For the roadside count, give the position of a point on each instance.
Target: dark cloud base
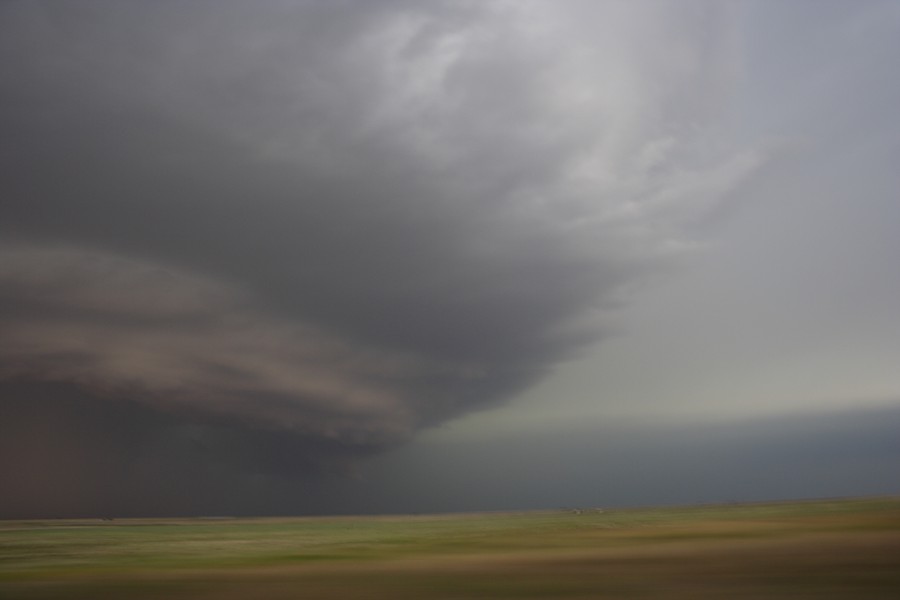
(67, 453)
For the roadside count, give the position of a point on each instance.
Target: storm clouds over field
(246, 245)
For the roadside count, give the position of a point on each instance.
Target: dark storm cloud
(344, 220)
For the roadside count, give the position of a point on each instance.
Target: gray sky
(410, 256)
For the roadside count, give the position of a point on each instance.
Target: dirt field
(824, 549)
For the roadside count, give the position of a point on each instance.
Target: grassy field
(823, 549)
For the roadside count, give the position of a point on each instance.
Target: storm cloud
(331, 224)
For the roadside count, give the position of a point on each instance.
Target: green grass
(825, 549)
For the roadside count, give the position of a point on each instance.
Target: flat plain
(822, 549)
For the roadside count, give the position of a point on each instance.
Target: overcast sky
(393, 255)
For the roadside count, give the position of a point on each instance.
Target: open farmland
(822, 549)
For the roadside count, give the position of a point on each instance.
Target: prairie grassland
(822, 549)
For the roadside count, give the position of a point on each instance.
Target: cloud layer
(343, 221)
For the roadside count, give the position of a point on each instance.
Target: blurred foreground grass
(823, 549)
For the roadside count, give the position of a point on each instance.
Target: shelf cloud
(331, 224)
